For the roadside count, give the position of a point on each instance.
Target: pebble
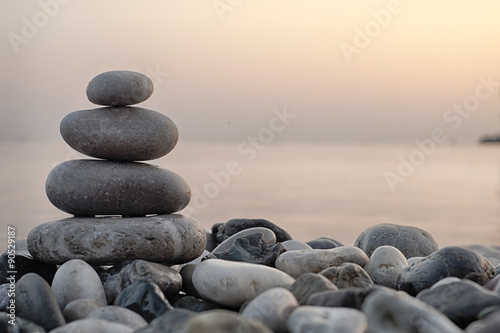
(187, 280)
(96, 187)
(117, 314)
(272, 308)
(269, 238)
(345, 298)
(395, 312)
(252, 248)
(324, 243)
(294, 245)
(413, 260)
(211, 241)
(315, 319)
(24, 265)
(308, 284)
(169, 239)
(120, 133)
(76, 279)
(234, 283)
(222, 231)
(94, 325)
(22, 325)
(461, 301)
(144, 298)
(194, 304)
(411, 241)
(80, 308)
(296, 263)
(448, 261)
(384, 266)
(492, 253)
(218, 321)
(347, 275)
(36, 301)
(172, 321)
(117, 88)
(490, 324)
(121, 276)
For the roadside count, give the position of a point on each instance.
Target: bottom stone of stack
(169, 239)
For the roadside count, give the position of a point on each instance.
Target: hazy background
(225, 76)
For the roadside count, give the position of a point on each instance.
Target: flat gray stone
(309, 284)
(490, 324)
(168, 239)
(80, 308)
(347, 275)
(315, 319)
(118, 314)
(96, 187)
(117, 88)
(492, 253)
(269, 238)
(296, 263)
(120, 133)
(222, 231)
(294, 245)
(384, 266)
(411, 241)
(218, 321)
(170, 322)
(94, 325)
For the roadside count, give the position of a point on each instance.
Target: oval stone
(94, 187)
(168, 239)
(116, 88)
(120, 133)
(94, 325)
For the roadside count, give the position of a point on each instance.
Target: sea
(311, 190)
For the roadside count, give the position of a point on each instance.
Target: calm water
(310, 190)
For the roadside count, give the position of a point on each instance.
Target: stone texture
(4, 295)
(344, 298)
(384, 266)
(411, 241)
(296, 263)
(80, 308)
(461, 301)
(222, 231)
(448, 261)
(187, 280)
(294, 245)
(117, 88)
(308, 284)
(96, 187)
(24, 263)
(172, 321)
(36, 301)
(252, 248)
(234, 283)
(324, 243)
(217, 321)
(490, 324)
(492, 253)
(268, 236)
(94, 325)
(194, 304)
(396, 312)
(118, 314)
(347, 275)
(22, 325)
(120, 133)
(164, 238)
(313, 319)
(76, 279)
(272, 308)
(144, 298)
(121, 276)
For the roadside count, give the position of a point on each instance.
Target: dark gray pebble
(222, 231)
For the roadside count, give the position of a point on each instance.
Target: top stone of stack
(119, 88)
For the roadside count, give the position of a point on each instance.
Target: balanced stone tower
(123, 209)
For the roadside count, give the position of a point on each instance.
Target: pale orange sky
(226, 76)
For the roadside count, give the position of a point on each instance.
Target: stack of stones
(123, 209)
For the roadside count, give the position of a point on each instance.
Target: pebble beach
(128, 261)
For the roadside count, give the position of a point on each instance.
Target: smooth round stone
(490, 324)
(234, 283)
(447, 262)
(94, 325)
(120, 133)
(222, 231)
(413, 260)
(37, 302)
(272, 308)
(116, 88)
(347, 275)
(308, 284)
(294, 245)
(411, 241)
(315, 319)
(492, 253)
(169, 239)
(218, 321)
(118, 314)
(187, 280)
(269, 238)
(324, 243)
(95, 187)
(344, 298)
(80, 308)
(445, 281)
(172, 321)
(396, 312)
(384, 266)
(296, 263)
(76, 279)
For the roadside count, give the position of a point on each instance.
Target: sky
(349, 71)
